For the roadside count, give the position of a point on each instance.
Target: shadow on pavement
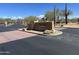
(26, 46)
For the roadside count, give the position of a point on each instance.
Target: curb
(36, 33)
(42, 33)
(33, 33)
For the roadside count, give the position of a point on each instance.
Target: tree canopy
(30, 19)
(49, 15)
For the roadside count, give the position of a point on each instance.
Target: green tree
(57, 14)
(49, 15)
(30, 19)
(53, 15)
(65, 13)
(1, 21)
(8, 20)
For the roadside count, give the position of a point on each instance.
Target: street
(15, 42)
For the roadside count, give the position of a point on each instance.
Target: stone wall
(40, 26)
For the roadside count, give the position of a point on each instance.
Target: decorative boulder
(48, 31)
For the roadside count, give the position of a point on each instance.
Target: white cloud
(40, 16)
(5, 17)
(12, 17)
(74, 16)
(20, 17)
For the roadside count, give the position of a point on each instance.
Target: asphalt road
(32, 44)
(3, 28)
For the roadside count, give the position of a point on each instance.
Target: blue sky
(33, 9)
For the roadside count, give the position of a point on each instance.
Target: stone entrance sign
(53, 26)
(6, 23)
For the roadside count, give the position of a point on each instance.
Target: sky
(21, 10)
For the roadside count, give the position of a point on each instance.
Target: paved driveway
(14, 35)
(18, 42)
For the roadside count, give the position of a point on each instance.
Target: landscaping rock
(48, 31)
(52, 32)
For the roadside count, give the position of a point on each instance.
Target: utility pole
(66, 13)
(54, 15)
